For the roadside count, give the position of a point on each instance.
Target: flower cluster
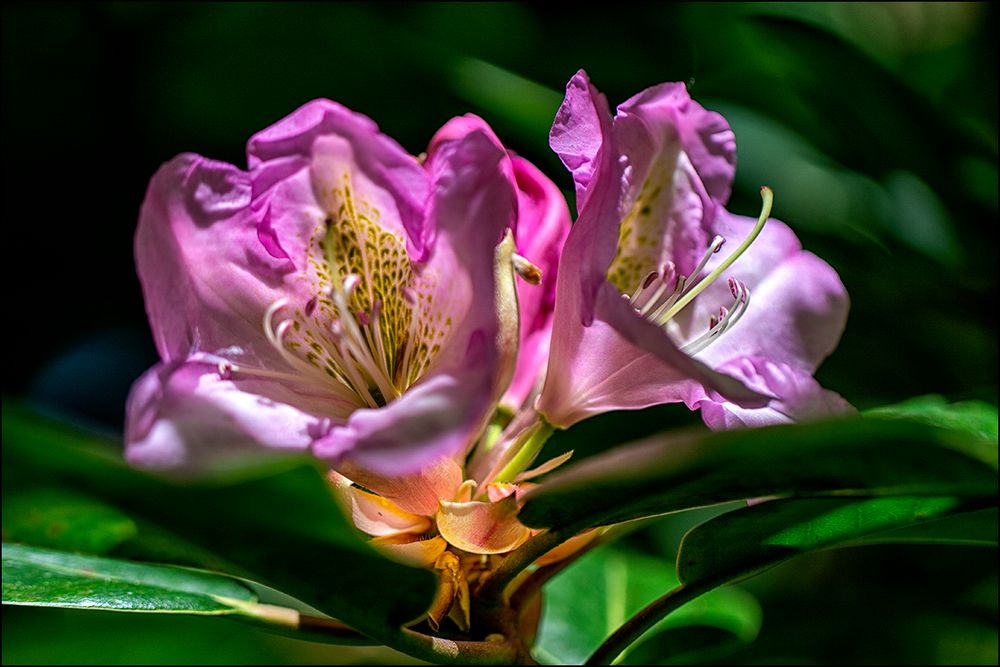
(422, 324)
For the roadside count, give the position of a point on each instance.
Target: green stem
(493, 588)
(646, 618)
(526, 449)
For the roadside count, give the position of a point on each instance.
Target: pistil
(664, 293)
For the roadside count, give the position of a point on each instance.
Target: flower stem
(530, 443)
(494, 587)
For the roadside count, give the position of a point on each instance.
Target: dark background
(875, 124)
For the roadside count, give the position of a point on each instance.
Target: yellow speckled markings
(372, 326)
(641, 237)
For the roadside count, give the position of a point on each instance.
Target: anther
(528, 271)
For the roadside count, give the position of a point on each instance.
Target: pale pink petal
(623, 362)
(482, 528)
(183, 416)
(497, 491)
(798, 305)
(800, 397)
(206, 278)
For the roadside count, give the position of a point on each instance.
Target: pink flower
(652, 305)
(338, 296)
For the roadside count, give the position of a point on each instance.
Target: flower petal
(578, 132)
(481, 527)
(623, 362)
(543, 223)
(673, 148)
(800, 397)
(417, 493)
(298, 163)
(183, 416)
(374, 514)
(409, 549)
(206, 277)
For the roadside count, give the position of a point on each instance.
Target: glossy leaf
(44, 577)
(856, 456)
(975, 417)
(740, 544)
(64, 519)
(282, 529)
(594, 596)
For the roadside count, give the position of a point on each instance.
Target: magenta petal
(205, 275)
(579, 131)
(543, 223)
(799, 396)
(182, 416)
(293, 162)
(705, 136)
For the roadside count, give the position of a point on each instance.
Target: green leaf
(974, 417)
(853, 456)
(64, 519)
(283, 529)
(595, 595)
(43, 577)
(743, 543)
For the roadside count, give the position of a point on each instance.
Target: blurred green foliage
(874, 123)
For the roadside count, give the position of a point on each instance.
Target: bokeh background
(874, 123)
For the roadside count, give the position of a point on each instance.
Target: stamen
(768, 199)
(528, 271)
(662, 294)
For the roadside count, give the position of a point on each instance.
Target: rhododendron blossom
(341, 296)
(663, 295)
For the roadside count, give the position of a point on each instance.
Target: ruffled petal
(579, 131)
(481, 527)
(184, 417)
(206, 277)
(300, 164)
(799, 397)
(673, 149)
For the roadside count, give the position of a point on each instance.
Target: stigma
(664, 293)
